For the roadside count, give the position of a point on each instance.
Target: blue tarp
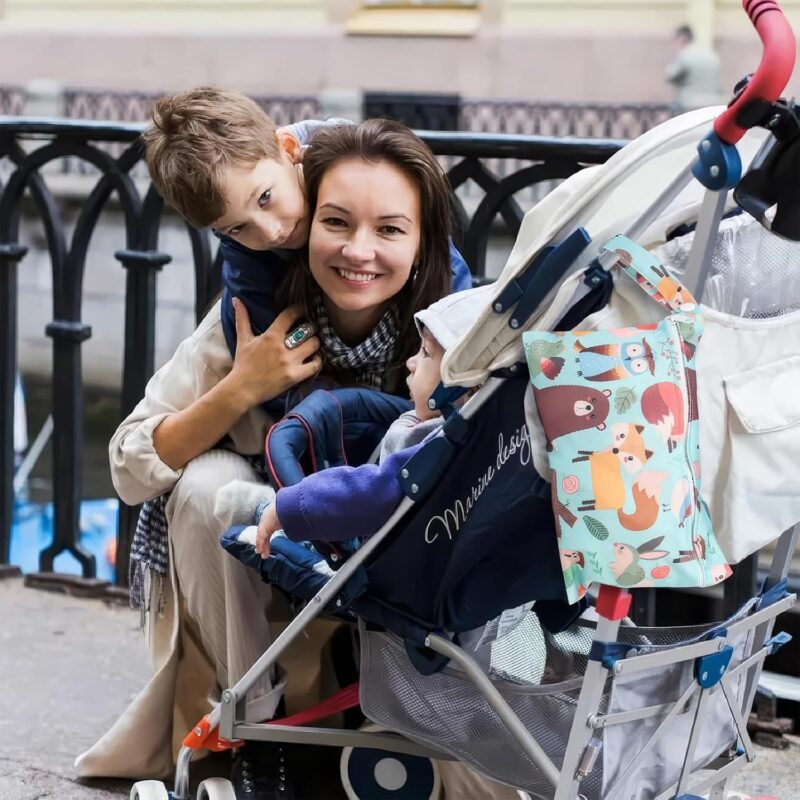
(32, 532)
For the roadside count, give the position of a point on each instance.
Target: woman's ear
(290, 145)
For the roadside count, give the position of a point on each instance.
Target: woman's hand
(263, 366)
(267, 525)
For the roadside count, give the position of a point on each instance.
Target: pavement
(69, 666)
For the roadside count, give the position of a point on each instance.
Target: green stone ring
(299, 335)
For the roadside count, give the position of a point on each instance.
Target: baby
(334, 504)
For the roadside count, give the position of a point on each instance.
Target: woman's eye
(334, 222)
(264, 198)
(391, 229)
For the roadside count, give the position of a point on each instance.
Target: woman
(378, 252)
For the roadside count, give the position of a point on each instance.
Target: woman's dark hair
(376, 141)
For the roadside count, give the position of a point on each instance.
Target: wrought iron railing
(546, 159)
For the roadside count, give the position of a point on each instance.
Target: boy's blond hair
(193, 137)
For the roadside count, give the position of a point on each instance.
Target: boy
(220, 161)
(331, 504)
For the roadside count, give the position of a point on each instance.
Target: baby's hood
(449, 318)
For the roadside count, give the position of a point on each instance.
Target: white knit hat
(449, 318)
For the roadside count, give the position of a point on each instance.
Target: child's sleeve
(339, 503)
(306, 128)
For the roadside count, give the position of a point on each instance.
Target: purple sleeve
(339, 503)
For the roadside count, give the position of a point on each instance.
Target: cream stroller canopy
(603, 200)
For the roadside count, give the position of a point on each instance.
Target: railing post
(68, 408)
(10, 254)
(139, 359)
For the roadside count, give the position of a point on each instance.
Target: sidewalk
(68, 667)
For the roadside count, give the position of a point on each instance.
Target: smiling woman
(378, 248)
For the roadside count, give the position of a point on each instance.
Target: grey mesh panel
(447, 712)
(753, 272)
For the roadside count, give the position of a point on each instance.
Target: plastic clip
(719, 165)
(777, 641)
(710, 669)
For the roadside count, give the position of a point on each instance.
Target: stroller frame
(718, 168)
(226, 725)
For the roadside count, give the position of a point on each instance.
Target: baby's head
(440, 326)
(220, 161)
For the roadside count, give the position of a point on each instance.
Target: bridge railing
(30, 152)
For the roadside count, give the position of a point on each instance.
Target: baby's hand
(267, 525)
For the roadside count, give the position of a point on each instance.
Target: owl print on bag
(614, 361)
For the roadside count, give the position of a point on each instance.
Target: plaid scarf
(367, 361)
(149, 555)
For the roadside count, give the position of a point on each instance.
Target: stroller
(467, 649)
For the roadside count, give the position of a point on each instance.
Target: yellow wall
(174, 14)
(605, 17)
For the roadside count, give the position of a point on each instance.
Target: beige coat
(199, 364)
(190, 653)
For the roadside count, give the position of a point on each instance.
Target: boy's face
(266, 205)
(426, 373)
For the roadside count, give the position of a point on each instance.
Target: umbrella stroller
(466, 648)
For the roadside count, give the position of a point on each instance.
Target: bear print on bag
(571, 408)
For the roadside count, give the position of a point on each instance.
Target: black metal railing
(545, 160)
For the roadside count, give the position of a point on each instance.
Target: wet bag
(618, 413)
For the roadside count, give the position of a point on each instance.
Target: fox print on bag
(618, 412)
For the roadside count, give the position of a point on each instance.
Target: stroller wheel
(149, 790)
(216, 789)
(368, 774)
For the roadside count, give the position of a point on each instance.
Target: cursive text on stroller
(450, 521)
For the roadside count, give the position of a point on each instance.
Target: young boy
(333, 504)
(220, 161)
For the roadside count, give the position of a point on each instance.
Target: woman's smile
(356, 276)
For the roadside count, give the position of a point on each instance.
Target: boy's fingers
(243, 330)
(308, 347)
(308, 369)
(287, 320)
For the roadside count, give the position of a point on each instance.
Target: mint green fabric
(619, 413)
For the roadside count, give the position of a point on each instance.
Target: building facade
(565, 50)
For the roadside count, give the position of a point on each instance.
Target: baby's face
(266, 205)
(426, 373)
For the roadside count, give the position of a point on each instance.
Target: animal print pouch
(618, 410)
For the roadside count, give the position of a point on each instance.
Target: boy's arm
(306, 128)
(462, 277)
(339, 503)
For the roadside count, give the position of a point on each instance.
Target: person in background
(695, 73)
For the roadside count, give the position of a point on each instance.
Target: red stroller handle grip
(774, 71)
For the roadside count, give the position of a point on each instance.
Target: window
(415, 18)
(420, 3)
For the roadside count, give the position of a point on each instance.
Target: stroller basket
(448, 712)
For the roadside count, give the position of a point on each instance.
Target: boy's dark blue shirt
(254, 276)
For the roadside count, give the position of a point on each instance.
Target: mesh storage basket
(446, 711)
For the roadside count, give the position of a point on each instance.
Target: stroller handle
(773, 73)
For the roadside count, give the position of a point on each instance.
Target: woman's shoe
(262, 771)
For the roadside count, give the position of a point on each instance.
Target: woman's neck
(352, 327)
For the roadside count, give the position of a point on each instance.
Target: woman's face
(365, 238)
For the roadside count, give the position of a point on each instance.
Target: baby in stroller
(333, 504)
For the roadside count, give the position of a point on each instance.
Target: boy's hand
(267, 525)
(264, 366)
